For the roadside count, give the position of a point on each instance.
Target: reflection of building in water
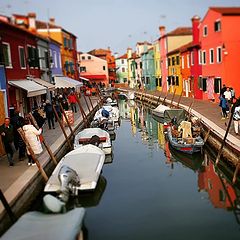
(133, 120)
(161, 136)
(221, 193)
(124, 109)
(152, 128)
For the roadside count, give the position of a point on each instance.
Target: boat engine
(68, 181)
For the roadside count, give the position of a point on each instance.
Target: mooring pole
(173, 98)
(7, 207)
(84, 116)
(22, 134)
(86, 102)
(34, 123)
(91, 102)
(62, 127)
(66, 118)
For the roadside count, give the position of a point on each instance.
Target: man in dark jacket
(6, 131)
(49, 114)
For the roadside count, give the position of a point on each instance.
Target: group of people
(227, 101)
(12, 139)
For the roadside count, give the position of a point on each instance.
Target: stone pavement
(8, 175)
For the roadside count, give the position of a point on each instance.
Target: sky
(117, 24)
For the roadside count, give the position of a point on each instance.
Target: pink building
(93, 68)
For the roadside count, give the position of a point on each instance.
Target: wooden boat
(86, 136)
(37, 225)
(186, 145)
(159, 110)
(87, 161)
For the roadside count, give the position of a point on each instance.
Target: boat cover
(180, 115)
(39, 226)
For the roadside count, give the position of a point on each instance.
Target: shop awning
(66, 82)
(97, 77)
(85, 79)
(32, 88)
(44, 83)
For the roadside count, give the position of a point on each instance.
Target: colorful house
(55, 58)
(148, 69)
(19, 55)
(168, 42)
(132, 68)
(220, 50)
(156, 49)
(93, 68)
(106, 54)
(122, 69)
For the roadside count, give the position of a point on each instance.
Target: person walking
(224, 105)
(236, 117)
(32, 136)
(228, 95)
(6, 131)
(49, 114)
(72, 99)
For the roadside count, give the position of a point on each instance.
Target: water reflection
(211, 180)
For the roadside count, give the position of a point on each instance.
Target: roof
(226, 10)
(143, 43)
(180, 31)
(123, 56)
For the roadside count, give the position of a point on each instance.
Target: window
(199, 57)
(55, 59)
(60, 60)
(188, 61)
(33, 57)
(192, 58)
(177, 81)
(205, 31)
(182, 62)
(89, 57)
(104, 68)
(173, 61)
(22, 59)
(64, 42)
(219, 54)
(169, 61)
(147, 80)
(123, 69)
(122, 61)
(217, 26)
(70, 43)
(83, 69)
(83, 57)
(204, 57)
(160, 81)
(204, 84)
(173, 80)
(177, 60)
(200, 83)
(66, 65)
(156, 79)
(169, 80)
(211, 56)
(6, 55)
(217, 85)
(46, 57)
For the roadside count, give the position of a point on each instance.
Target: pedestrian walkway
(9, 175)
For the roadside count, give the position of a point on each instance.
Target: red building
(19, 55)
(220, 50)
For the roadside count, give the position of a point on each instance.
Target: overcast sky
(118, 24)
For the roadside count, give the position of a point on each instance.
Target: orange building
(219, 37)
(106, 54)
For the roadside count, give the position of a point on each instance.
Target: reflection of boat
(186, 145)
(87, 136)
(36, 225)
(87, 161)
(193, 162)
(159, 110)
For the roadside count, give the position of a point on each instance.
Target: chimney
(195, 29)
(162, 30)
(32, 21)
(52, 21)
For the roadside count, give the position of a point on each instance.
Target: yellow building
(156, 50)
(68, 43)
(174, 72)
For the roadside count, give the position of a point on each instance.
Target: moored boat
(159, 110)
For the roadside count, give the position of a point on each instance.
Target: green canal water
(151, 192)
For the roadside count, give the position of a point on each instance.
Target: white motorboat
(111, 102)
(159, 110)
(87, 136)
(36, 225)
(87, 161)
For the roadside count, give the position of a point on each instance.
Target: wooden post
(7, 207)
(163, 102)
(225, 137)
(22, 134)
(68, 123)
(91, 102)
(235, 174)
(173, 98)
(34, 123)
(179, 99)
(63, 130)
(86, 102)
(84, 116)
(207, 135)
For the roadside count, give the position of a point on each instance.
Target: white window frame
(218, 20)
(204, 58)
(21, 47)
(9, 54)
(218, 54)
(205, 27)
(211, 55)
(60, 60)
(55, 58)
(200, 57)
(192, 58)
(182, 62)
(188, 61)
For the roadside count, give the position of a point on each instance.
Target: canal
(151, 192)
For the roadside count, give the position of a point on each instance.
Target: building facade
(122, 69)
